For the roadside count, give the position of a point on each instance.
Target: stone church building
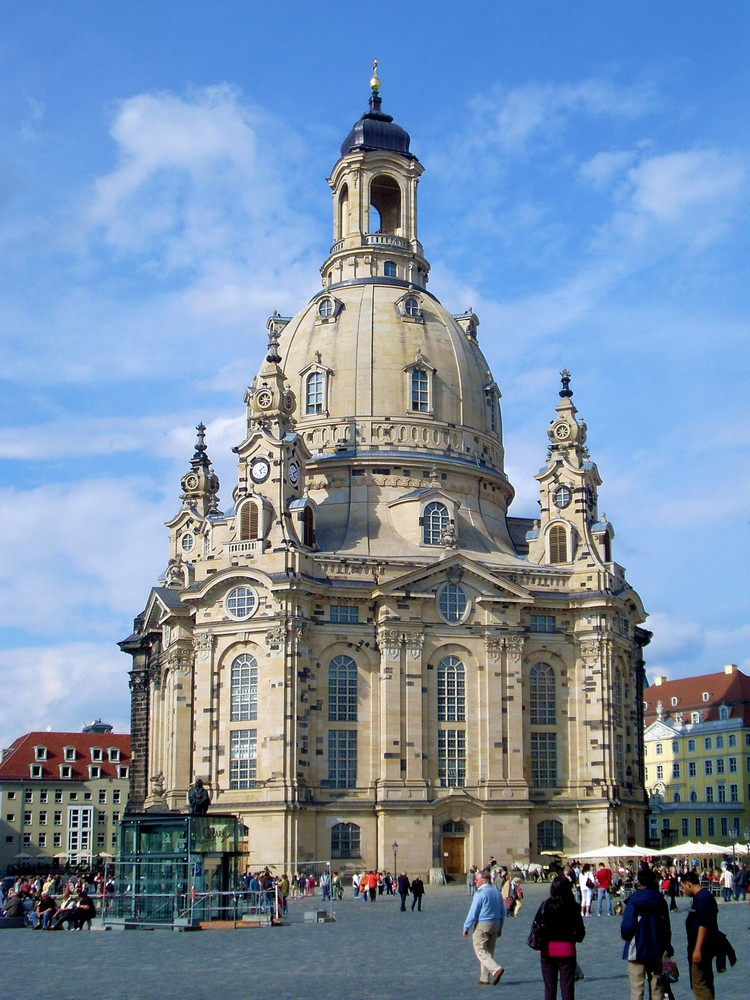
(362, 647)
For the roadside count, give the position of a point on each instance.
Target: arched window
(542, 695)
(617, 696)
(248, 520)
(345, 840)
(244, 689)
(389, 269)
(385, 199)
(344, 211)
(420, 390)
(693, 796)
(549, 836)
(558, 544)
(607, 548)
(308, 528)
(435, 522)
(342, 689)
(677, 797)
(451, 681)
(314, 393)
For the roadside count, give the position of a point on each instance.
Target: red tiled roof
(732, 690)
(21, 755)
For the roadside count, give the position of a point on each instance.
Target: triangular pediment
(425, 495)
(163, 603)
(659, 731)
(428, 578)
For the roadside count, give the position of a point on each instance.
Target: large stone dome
(367, 351)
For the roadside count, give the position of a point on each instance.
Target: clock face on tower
(260, 470)
(293, 473)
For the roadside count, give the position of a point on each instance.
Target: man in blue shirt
(485, 919)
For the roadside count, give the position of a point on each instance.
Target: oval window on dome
(453, 604)
(241, 602)
(411, 306)
(325, 308)
(187, 543)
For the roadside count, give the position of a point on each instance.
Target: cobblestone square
(373, 950)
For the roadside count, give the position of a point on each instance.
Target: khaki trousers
(702, 979)
(484, 938)
(637, 972)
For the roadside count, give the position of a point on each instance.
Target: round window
(411, 307)
(325, 308)
(241, 602)
(188, 541)
(453, 603)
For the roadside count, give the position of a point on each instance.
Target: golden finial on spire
(375, 83)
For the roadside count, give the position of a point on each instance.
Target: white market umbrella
(616, 851)
(692, 849)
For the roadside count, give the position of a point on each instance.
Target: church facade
(364, 649)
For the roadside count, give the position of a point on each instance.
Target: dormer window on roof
(35, 770)
(40, 753)
(706, 696)
(113, 753)
(95, 771)
(97, 754)
(69, 753)
(674, 702)
(66, 771)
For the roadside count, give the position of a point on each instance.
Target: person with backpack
(647, 932)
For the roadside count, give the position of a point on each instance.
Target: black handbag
(535, 939)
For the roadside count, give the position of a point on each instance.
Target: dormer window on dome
(410, 307)
(419, 385)
(329, 308)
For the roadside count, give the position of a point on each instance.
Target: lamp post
(394, 848)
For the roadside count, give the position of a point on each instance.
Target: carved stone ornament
(414, 644)
(590, 653)
(275, 636)
(203, 642)
(514, 645)
(494, 645)
(449, 538)
(156, 673)
(180, 662)
(138, 680)
(157, 785)
(389, 641)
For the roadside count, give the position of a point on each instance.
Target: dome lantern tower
(374, 187)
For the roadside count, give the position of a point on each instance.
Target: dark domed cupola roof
(376, 130)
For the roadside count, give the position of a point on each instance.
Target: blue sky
(162, 191)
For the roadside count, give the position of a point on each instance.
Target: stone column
(391, 708)
(414, 749)
(493, 741)
(513, 703)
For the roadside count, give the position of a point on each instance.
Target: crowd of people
(52, 902)
(558, 926)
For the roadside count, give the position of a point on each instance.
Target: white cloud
(678, 184)
(604, 167)
(79, 557)
(63, 686)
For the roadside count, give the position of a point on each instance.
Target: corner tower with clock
(272, 509)
(367, 647)
(569, 530)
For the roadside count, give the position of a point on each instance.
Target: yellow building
(697, 758)
(364, 648)
(62, 796)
